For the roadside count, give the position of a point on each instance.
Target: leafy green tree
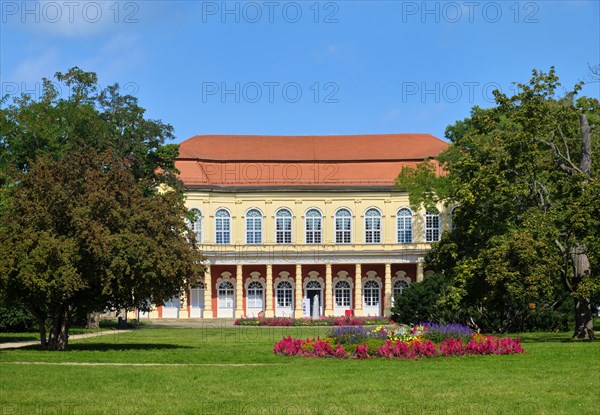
(92, 214)
(527, 217)
(419, 303)
(75, 112)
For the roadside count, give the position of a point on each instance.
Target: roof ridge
(313, 148)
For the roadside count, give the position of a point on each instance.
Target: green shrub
(501, 313)
(419, 302)
(16, 318)
(551, 318)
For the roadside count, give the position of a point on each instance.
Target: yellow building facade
(303, 226)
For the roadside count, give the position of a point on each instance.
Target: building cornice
(312, 254)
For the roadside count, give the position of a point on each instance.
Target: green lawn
(556, 376)
(108, 324)
(28, 336)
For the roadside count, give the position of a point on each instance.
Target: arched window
(284, 294)
(343, 228)
(404, 225)
(432, 226)
(371, 293)
(253, 227)
(195, 224)
(342, 294)
(399, 286)
(453, 213)
(373, 226)
(314, 285)
(314, 227)
(222, 227)
(283, 227)
(226, 294)
(255, 295)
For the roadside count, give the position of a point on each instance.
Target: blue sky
(302, 67)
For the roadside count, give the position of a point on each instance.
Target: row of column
(270, 312)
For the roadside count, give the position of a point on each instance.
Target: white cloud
(392, 115)
(120, 54)
(34, 68)
(431, 113)
(65, 19)
(113, 61)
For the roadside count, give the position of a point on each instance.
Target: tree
(527, 220)
(92, 214)
(74, 111)
(419, 302)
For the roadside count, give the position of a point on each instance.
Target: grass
(28, 336)
(34, 335)
(556, 376)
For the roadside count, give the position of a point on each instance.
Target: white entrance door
(197, 302)
(341, 294)
(372, 299)
(226, 306)
(285, 299)
(255, 299)
(314, 290)
(171, 308)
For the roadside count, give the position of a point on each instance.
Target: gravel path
(143, 364)
(16, 345)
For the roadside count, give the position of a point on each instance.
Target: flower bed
(361, 343)
(323, 321)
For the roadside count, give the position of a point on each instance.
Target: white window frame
(254, 236)
(404, 231)
(432, 232)
(404, 281)
(286, 235)
(367, 300)
(396, 290)
(224, 232)
(196, 225)
(287, 299)
(315, 233)
(452, 216)
(343, 233)
(253, 299)
(223, 302)
(374, 232)
(346, 294)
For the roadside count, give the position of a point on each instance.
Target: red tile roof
(352, 160)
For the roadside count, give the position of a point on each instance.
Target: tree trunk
(585, 164)
(93, 321)
(59, 331)
(42, 328)
(584, 320)
(41, 320)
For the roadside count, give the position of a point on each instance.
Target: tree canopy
(525, 190)
(92, 214)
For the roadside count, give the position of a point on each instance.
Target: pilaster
(328, 291)
(208, 311)
(358, 309)
(419, 271)
(387, 289)
(269, 292)
(239, 292)
(298, 296)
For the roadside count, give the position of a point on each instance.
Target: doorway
(311, 294)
